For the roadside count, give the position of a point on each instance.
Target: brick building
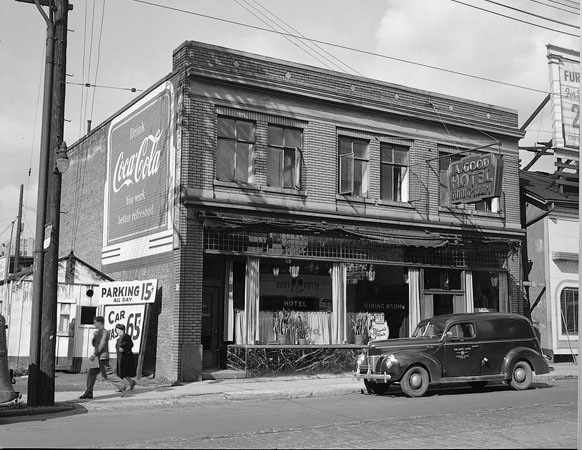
(248, 186)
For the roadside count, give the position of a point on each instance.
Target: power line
(98, 55)
(344, 47)
(555, 7)
(531, 14)
(568, 4)
(508, 17)
(105, 87)
(314, 44)
(289, 39)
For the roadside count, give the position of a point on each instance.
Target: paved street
(544, 417)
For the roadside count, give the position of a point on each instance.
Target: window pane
(225, 160)
(276, 135)
(401, 156)
(386, 182)
(245, 131)
(226, 127)
(288, 168)
(360, 149)
(346, 174)
(293, 138)
(386, 153)
(399, 173)
(360, 178)
(444, 180)
(242, 162)
(569, 304)
(274, 164)
(345, 145)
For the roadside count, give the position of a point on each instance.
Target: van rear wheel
(415, 381)
(376, 388)
(521, 376)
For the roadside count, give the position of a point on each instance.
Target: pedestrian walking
(100, 343)
(125, 361)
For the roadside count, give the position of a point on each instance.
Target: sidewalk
(216, 391)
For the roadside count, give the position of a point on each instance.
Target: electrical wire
(509, 17)
(313, 43)
(289, 39)
(532, 14)
(568, 4)
(344, 47)
(98, 56)
(81, 117)
(555, 7)
(105, 87)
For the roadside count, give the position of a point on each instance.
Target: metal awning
(379, 235)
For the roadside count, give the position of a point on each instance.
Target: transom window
(569, 305)
(393, 172)
(284, 157)
(353, 166)
(234, 153)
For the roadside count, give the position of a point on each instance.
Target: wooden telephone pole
(41, 380)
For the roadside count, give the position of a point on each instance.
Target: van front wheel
(521, 376)
(414, 383)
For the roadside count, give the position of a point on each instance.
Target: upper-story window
(393, 172)
(445, 160)
(234, 153)
(284, 157)
(569, 306)
(353, 166)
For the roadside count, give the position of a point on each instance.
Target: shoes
(131, 386)
(121, 390)
(86, 396)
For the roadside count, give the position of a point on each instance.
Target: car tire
(477, 385)
(415, 381)
(376, 388)
(521, 376)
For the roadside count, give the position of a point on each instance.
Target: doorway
(210, 325)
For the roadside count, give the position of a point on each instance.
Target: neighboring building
(76, 308)
(248, 185)
(26, 258)
(550, 216)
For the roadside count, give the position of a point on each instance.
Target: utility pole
(18, 232)
(48, 330)
(36, 307)
(41, 377)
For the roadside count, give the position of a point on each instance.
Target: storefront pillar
(469, 299)
(338, 292)
(414, 298)
(252, 294)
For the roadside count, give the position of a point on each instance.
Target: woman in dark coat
(125, 361)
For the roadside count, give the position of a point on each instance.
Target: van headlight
(390, 360)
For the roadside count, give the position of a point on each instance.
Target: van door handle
(475, 346)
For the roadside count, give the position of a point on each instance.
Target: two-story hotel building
(247, 186)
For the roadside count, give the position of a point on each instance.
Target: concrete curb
(6, 412)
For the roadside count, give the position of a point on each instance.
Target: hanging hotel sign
(124, 292)
(565, 86)
(139, 187)
(475, 178)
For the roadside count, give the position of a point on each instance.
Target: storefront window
(303, 288)
(569, 305)
(486, 290)
(378, 290)
(443, 279)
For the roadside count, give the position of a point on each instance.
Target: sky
(128, 44)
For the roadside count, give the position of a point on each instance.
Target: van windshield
(430, 329)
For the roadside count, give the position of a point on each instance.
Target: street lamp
(62, 160)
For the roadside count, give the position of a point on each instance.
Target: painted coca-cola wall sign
(140, 179)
